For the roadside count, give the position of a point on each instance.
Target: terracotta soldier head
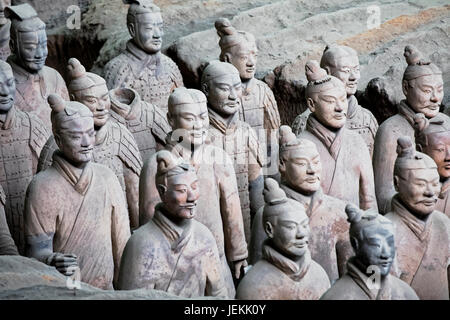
(188, 115)
(326, 96)
(73, 129)
(238, 48)
(422, 83)
(300, 165)
(343, 63)
(372, 239)
(177, 185)
(3, 5)
(7, 87)
(285, 222)
(145, 25)
(416, 179)
(223, 88)
(433, 139)
(28, 37)
(90, 90)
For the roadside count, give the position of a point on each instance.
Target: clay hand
(237, 267)
(64, 263)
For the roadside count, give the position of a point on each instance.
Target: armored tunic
(384, 154)
(329, 241)
(179, 260)
(443, 204)
(346, 167)
(218, 207)
(85, 213)
(116, 149)
(22, 137)
(359, 120)
(7, 246)
(154, 77)
(32, 90)
(353, 286)
(240, 142)
(423, 251)
(5, 51)
(145, 121)
(276, 277)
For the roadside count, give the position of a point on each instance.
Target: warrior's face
(3, 5)
(376, 248)
(347, 70)
(289, 232)
(180, 195)
(330, 107)
(7, 89)
(96, 98)
(424, 94)
(224, 94)
(301, 169)
(76, 139)
(244, 57)
(191, 121)
(31, 49)
(419, 190)
(438, 148)
(147, 31)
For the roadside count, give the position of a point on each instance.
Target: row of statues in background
(142, 183)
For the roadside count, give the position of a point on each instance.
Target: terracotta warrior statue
(286, 270)
(218, 207)
(433, 138)
(7, 246)
(34, 80)
(22, 137)
(114, 146)
(222, 86)
(173, 252)
(347, 172)
(422, 235)
(145, 121)
(300, 168)
(343, 63)
(142, 66)
(75, 211)
(367, 277)
(259, 107)
(423, 87)
(5, 25)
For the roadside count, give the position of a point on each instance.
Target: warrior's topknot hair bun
(314, 72)
(273, 194)
(413, 56)
(56, 103)
(224, 27)
(75, 69)
(405, 148)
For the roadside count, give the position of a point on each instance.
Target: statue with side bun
(218, 207)
(422, 234)
(367, 277)
(75, 211)
(433, 138)
(300, 169)
(142, 66)
(34, 81)
(221, 84)
(5, 25)
(7, 246)
(259, 107)
(286, 270)
(22, 137)
(347, 172)
(423, 87)
(114, 146)
(145, 121)
(343, 63)
(173, 252)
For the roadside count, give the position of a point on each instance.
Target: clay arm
(7, 246)
(130, 267)
(271, 115)
(344, 251)
(148, 194)
(215, 284)
(255, 177)
(367, 198)
(132, 194)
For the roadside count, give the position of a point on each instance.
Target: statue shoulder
(172, 68)
(39, 133)
(116, 71)
(157, 121)
(299, 123)
(128, 149)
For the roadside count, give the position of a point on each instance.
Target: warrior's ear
(131, 30)
(205, 88)
(268, 228)
(281, 166)
(170, 119)
(354, 243)
(327, 69)
(405, 87)
(310, 104)
(58, 140)
(12, 45)
(396, 183)
(161, 189)
(227, 57)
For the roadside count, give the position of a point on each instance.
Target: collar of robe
(289, 267)
(129, 111)
(383, 292)
(407, 112)
(332, 140)
(352, 107)
(147, 61)
(216, 122)
(311, 203)
(421, 229)
(80, 179)
(9, 119)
